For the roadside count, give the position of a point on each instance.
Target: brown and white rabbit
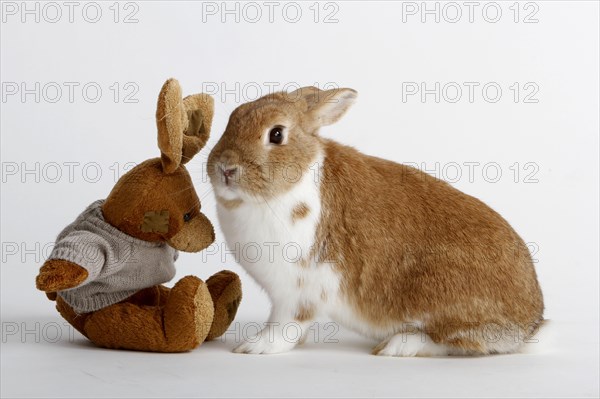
(383, 249)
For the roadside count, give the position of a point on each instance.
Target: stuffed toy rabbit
(384, 249)
(106, 269)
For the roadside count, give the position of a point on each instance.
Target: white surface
(78, 369)
(371, 50)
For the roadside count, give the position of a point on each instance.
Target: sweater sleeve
(84, 248)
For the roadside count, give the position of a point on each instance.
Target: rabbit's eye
(276, 135)
(187, 217)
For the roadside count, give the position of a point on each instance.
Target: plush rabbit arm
(57, 275)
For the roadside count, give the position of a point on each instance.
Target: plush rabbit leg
(156, 319)
(188, 314)
(152, 296)
(226, 291)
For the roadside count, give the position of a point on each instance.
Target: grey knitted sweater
(118, 265)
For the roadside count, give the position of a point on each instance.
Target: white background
(552, 201)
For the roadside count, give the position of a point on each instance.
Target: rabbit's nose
(229, 172)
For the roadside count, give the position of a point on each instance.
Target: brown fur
(147, 188)
(59, 274)
(149, 203)
(304, 262)
(225, 289)
(191, 116)
(158, 320)
(264, 174)
(230, 204)
(300, 211)
(305, 313)
(446, 254)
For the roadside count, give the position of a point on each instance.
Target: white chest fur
(277, 251)
(275, 248)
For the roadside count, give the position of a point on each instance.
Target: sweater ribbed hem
(93, 303)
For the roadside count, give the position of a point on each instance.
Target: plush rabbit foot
(226, 291)
(410, 345)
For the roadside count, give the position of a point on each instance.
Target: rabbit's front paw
(265, 343)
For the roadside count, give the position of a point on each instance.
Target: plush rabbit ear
(324, 107)
(171, 120)
(183, 125)
(199, 110)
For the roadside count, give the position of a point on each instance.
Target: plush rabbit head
(269, 143)
(156, 200)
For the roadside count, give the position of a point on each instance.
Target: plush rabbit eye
(187, 217)
(276, 135)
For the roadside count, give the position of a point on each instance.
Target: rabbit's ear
(171, 120)
(324, 107)
(199, 111)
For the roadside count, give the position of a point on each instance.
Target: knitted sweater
(118, 265)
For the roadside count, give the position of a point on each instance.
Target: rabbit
(381, 248)
(107, 269)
